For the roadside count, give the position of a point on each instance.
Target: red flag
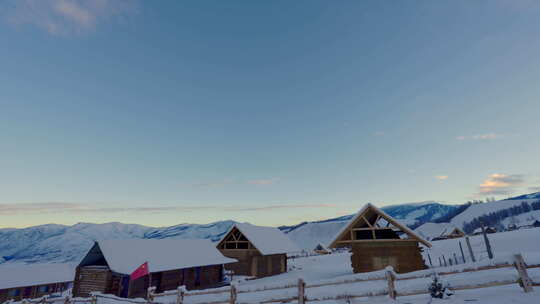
(141, 271)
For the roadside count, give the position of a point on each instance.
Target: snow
(504, 245)
(433, 230)
(268, 240)
(124, 256)
(35, 274)
(336, 268)
(477, 210)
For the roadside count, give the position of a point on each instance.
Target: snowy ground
(336, 268)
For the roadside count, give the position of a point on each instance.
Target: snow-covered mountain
(67, 244)
(59, 243)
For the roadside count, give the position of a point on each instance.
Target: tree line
(494, 219)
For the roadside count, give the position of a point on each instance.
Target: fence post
(301, 291)
(232, 299)
(180, 296)
(462, 254)
(524, 280)
(455, 259)
(444, 259)
(486, 241)
(471, 253)
(429, 257)
(390, 277)
(150, 294)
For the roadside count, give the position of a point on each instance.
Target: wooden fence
(390, 277)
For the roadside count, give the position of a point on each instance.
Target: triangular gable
(235, 239)
(373, 224)
(266, 240)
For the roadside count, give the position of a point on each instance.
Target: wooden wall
(100, 278)
(252, 263)
(92, 278)
(36, 291)
(371, 256)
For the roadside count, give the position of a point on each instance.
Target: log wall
(252, 263)
(371, 256)
(35, 291)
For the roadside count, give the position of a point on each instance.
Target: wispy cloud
(60, 17)
(227, 182)
(486, 136)
(534, 189)
(441, 177)
(79, 208)
(261, 181)
(500, 184)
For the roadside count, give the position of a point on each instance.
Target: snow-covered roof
(387, 217)
(433, 230)
(124, 256)
(12, 276)
(268, 240)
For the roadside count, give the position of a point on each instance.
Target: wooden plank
(525, 281)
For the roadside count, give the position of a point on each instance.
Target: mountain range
(60, 243)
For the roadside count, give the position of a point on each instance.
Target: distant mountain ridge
(61, 243)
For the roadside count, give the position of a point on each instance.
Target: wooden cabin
(321, 249)
(19, 282)
(106, 268)
(377, 240)
(439, 231)
(489, 230)
(260, 251)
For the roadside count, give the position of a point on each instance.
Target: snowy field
(319, 271)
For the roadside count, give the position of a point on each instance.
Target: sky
(271, 112)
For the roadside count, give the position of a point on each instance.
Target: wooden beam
(367, 222)
(379, 240)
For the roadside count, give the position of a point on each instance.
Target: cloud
(261, 181)
(226, 182)
(487, 136)
(500, 184)
(62, 17)
(534, 189)
(79, 208)
(441, 177)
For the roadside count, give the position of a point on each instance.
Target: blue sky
(273, 112)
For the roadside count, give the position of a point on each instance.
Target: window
(43, 289)
(14, 292)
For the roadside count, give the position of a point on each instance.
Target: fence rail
(388, 275)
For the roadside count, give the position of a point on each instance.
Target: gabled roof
(433, 230)
(12, 276)
(268, 240)
(388, 218)
(124, 256)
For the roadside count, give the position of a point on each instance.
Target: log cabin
(321, 249)
(19, 282)
(106, 268)
(377, 240)
(260, 251)
(439, 231)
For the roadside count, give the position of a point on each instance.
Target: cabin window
(43, 289)
(230, 245)
(197, 276)
(386, 234)
(14, 292)
(363, 235)
(243, 245)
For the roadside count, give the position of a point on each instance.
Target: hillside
(59, 243)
